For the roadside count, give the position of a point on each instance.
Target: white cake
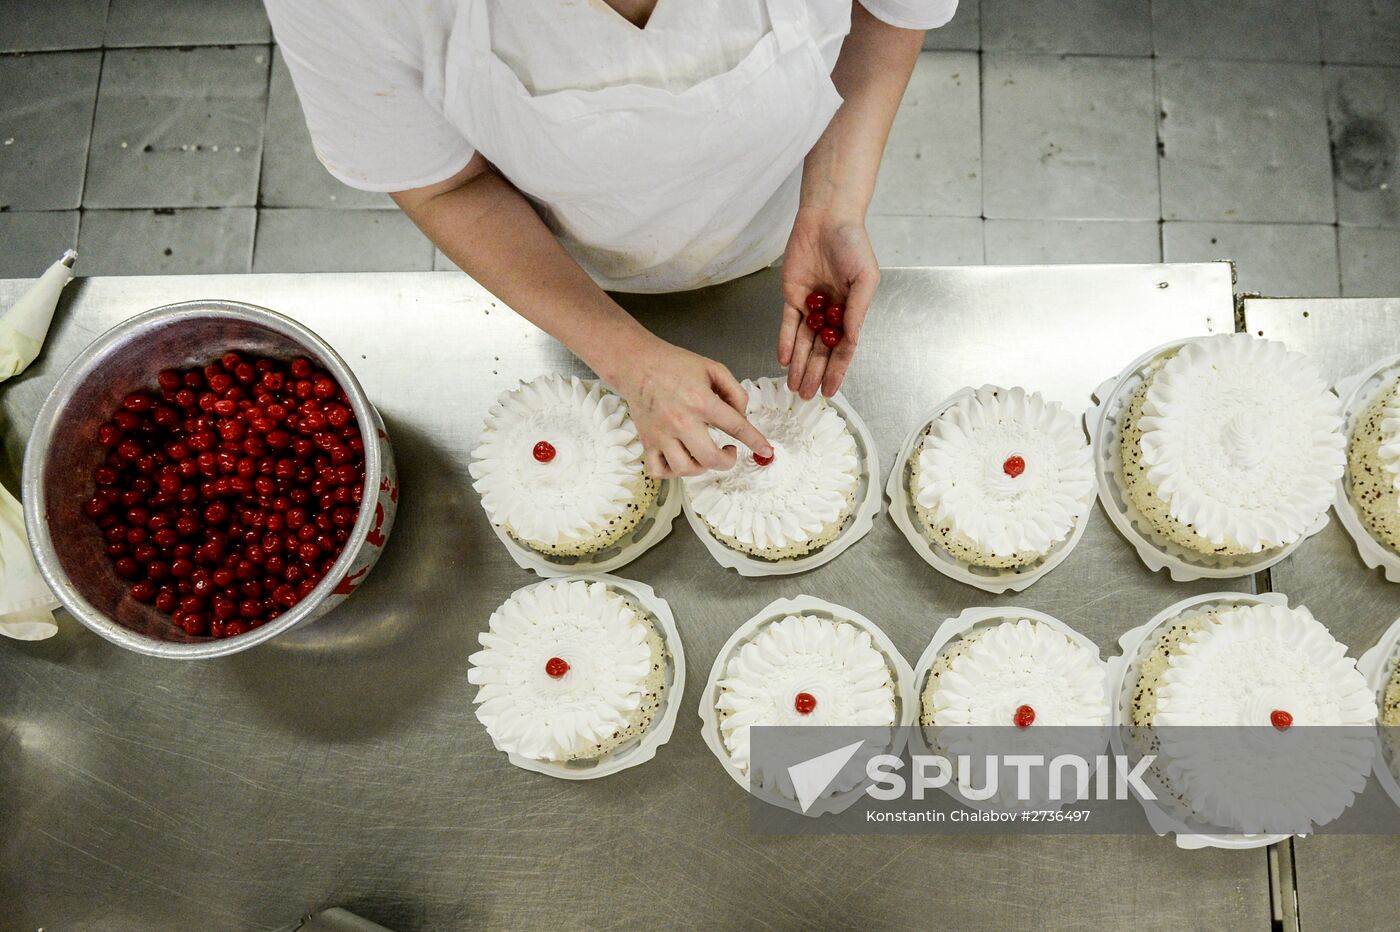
(1374, 465)
(989, 674)
(1270, 667)
(569, 670)
(1232, 445)
(798, 502)
(804, 670)
(559, 467)
(1001, 477)
(1390, 703)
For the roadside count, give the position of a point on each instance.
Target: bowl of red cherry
(205, 476)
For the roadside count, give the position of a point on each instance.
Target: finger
(728, 388)
(656, 465)
(739, 427)
(800, 352)
(703, 449)
(679, 461)
(858, 301)
(858, 305)
(787, 333)
(812, 375)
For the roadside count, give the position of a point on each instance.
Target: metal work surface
(341, 764)
(1338, 875)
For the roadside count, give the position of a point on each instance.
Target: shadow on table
(385, 652)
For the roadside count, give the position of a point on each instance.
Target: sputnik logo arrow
(811, 777)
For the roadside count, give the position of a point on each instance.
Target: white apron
(614, 173)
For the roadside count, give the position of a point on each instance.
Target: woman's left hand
(828, 253)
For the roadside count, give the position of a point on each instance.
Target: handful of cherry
(827, 318)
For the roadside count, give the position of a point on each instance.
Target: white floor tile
(291, 174)
(1370, 262)
(1361, 32)
(1244, 142)
(1087, 27)
(1054, 242)
(933, 160)
(304, 240)
(1363, 109)
(1237, 30)
(186, 22)
(926, 240)
(178, 128)
(1274, 259)
(46, 106)
(1068, 138)
(33, 240)
(164, 242)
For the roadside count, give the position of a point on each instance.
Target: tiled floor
(165, 136)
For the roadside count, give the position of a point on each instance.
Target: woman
(557, 148)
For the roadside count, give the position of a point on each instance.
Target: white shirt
(395, 90)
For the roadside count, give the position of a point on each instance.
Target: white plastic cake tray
(905, 699)
(904, 516)
(1105, 421)
(1357, 393)
(1378, 666)
(1123, 673)
(645, 746)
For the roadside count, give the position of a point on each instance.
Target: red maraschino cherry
(1024, 717)
(1014, 466)
(804, 703)
(556, 667)
(544, 451)
(1280, 719)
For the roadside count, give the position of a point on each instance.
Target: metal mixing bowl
(63, 452)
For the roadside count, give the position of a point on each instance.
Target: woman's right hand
(675, 397)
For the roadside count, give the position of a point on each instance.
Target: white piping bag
(26, 604)
(24, 326)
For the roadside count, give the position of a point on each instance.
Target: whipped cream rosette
(1271, 674)
(1012, 681)
(1232, 445)
(559, 467)
(1373, 464)
(804, 662)
(1001, 477)
(788, 508)
(573, 669)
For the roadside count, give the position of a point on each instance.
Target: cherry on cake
(569, 670)
(1373, 465)
(1001, 477)
(559, 467)
(795, 502)
(803, 670)
(1232, 445)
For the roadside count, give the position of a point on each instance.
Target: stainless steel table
(1338, 875)
(342, 764)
